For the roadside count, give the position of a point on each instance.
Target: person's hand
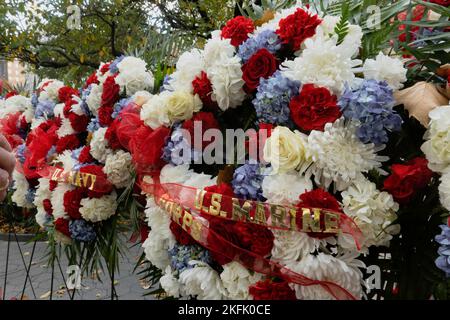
(7, 164)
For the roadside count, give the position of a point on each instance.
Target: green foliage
(251, 9)
(342, 27)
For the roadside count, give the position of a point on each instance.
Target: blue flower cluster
(372, 106)
(247, 182)
(119, 106)
(20, 153)
(113, 66)
(34, 100)
(31, 193)
(84, 95)
(94, 125)
(178, 150)
(273, 97)
(44, 109)
(443, 261)
(181, 255)
(80, 230)
(266, 39)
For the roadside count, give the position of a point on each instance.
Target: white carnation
(202, 281)
(170, 283)
(51, 91)
(385, 68)
(154, 112)
(190, 64)
(20, 187)
(14, 104)
(285, 188)
(57, 200)
(100, 146)
(133, 76)
(175, 174)
(237, 279)
(65, 129)
(217, 51)
(66, 160)
(95, 98)
(119, 168)
(98, 209)
(444, 190)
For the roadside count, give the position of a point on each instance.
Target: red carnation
(297, 27)
(417, 15)
(65, 93)
(202, 87)
(105, 115)
(313, 108)
(237, 29)
(85, 155)
(62, 225)
(111, 135)
(255, 238)
(110, 93)
(105, 68)
(260, 65)
(48, 206)
(11, 94)
(207, 121)
(407, 179)
(92, 79)
(79, 123)
(69, 142)
(52, 185)
(220, 238)
(72, 201)
(180, 235)
(270, 290)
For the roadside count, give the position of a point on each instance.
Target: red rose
(313, 108)
(48, 206)
(407, 179)
(202, 87)
(92, 79)
(237, 29)
(317, 198)
(69, 142)
(180, 235)
(146, 147)
(62, 225)
(65, 93)
(207, 121)
(79, 123)
(297, 27)
(85, 155)
(72, 201)
(270, 290)
(110, 93)
(260, 65)
(111, 135)
(11, 94)
(105, 115)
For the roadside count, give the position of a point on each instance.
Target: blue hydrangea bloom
(113, 66)
(84, 95)
(247, 181)
(181, 255)
(443, 261)
(50, 153)
(44, 109)
(267, 39)
(34, 100)
(165, 84)
(119, 106)
(273, 97)
(31, 193)
(174, 150)
(81, 230)
(94, 125)
(20, 153)
(372, 106)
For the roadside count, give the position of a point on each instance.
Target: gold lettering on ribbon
(56, 174)
(241, 213)
(260, 214)
(187, 220)
(93, 178)
(199, 195)
(278, 214)
(308, 223)
(293, 214)
(196, 228)
(331, 222)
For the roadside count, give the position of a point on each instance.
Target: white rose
(181, 105)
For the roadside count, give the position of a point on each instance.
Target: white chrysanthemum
(385, 68)
(20, 187)
(202, 281)
(373, 212)
(175, 174)
(444, 190)
(98, 209)
(287, 150)
(437, 146)
(291, 246)
(285, 188)
(237, 279)
(95, 98)
(99, 145)
(57, 200)
(66, 160)
(200, 180)
(339, 156)
(119, 167)
(14, 104)
(190, 64)
(217, 51)
(170, 283)
(154, 112)
(323, 63)
(133, 75)
(51, 90)
(326, 268)
(156, 250)
(65, 129)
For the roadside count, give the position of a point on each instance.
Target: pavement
(128, 285)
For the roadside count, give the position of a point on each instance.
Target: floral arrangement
(328, 115)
